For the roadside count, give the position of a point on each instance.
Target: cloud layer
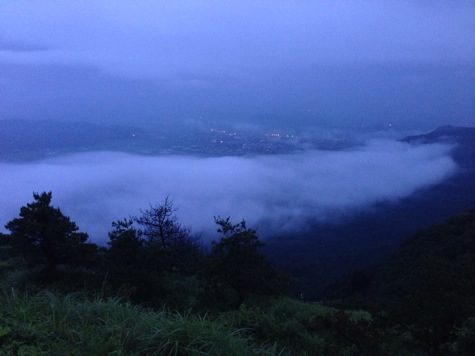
(164, 39)
(286, 191)
(313, 63)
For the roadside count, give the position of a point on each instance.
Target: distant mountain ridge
(26, 139)
(448, 132)
(463, 137)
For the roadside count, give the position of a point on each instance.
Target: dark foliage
(426, 286)
(168, 243)
(236, 263)
(42, 235)
(420, 301)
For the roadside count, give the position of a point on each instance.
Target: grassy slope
(45, 324)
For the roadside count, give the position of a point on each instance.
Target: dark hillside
(444, 254)
(329, 251)
(426, 286)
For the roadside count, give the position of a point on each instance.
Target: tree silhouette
(237, 261)
(43, 235)
(169, 244)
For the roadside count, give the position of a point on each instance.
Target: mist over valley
(324, 203)
(287, 190)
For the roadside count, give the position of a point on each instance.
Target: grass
(45, 324)
(291, 325)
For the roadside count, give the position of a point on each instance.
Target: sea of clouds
(286, 191)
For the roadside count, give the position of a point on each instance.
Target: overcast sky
(347, 64)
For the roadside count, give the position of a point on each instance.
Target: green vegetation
(426, 287)
(43, 235)
(155, 291)
(45, 324)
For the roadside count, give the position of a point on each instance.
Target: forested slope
(63, 295)
(427, 285)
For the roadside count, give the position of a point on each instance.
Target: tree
(153, 258)
(125, 244)
(161, 224)
(125, 257)
(238, 262)
(168, 243)
(42, 234)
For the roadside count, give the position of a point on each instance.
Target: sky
(345, 64)
(277, 194)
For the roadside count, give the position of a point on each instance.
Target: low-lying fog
(287, 191)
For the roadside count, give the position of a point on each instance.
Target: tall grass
(45, 324)
(290, 324)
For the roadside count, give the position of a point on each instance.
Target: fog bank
(287, 191)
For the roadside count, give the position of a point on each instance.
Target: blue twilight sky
(346, 64)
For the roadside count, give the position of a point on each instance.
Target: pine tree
(43, 235)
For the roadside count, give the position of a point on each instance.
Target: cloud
(285, 191)
(340, 63)
(20, 47)
(163, 39)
